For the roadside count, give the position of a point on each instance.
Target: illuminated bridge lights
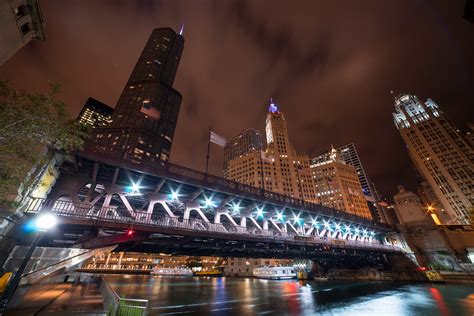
(236, 207)
(280, 216)
(134, 188)
(297, 219)
(260, 211)
(326, 225)
(174, 195)
(208, 202)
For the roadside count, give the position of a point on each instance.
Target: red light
(423, 268)
(130, 232)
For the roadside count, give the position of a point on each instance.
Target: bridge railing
(119, 306)
(111, 214)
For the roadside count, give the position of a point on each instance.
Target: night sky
(329, 65)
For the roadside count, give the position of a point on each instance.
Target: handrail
(121, 306)
(109, 214)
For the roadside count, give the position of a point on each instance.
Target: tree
(32, 127)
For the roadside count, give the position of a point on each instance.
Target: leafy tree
(32, 127)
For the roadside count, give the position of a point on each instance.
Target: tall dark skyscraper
(146, 114)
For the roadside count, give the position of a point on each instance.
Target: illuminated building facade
(440, 153)
(278, 168)
(146, 114)
(242, 143)
(95, 114)
(138, 261)
(337, 185)
(349, 155)
(21, 22)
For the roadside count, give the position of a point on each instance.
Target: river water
(248, 296)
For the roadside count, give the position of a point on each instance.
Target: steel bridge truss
(171, 196)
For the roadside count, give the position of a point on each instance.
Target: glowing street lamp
(41, 225)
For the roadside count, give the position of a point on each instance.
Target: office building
(21, 22)
(440, 153)
(337, 185)
(145, 117)
(349, 155)
(242, 143)
(95, 114)
(278, 168)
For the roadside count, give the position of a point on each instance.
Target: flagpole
(208, 149)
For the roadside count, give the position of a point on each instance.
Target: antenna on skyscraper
(181, 30)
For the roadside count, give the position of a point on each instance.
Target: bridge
(100, 202)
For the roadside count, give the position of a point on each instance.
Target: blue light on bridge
(134, 188)
(338, 227)
(174, 195)
(260, 211)
(297, 219)
(236, 207)
(280, 216)
(208, 202)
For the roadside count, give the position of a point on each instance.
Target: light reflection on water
(247, 296)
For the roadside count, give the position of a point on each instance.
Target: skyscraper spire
(272, 108)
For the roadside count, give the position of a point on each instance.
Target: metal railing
(111, 214)
(118, 306)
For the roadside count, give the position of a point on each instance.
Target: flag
(216, 139)
(150, 110)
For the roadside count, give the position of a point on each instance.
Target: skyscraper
(439, 152)
(337, 185)
(21, 22)
(95, 114)
(349, 155)
(242, 143)
(278, 168)
(146, 114)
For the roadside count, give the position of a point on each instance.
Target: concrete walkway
(57, 299)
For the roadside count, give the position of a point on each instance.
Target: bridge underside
(325, 253)
(173, 209)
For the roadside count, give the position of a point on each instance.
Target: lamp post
(41, 224)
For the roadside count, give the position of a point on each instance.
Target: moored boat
(214, 273)
(171, 271)
(275, 273)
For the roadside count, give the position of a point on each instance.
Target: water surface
(248, 296)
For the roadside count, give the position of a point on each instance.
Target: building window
(21, 11)
(25, 28)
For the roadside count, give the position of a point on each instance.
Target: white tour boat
(276, 273)
(171, 271)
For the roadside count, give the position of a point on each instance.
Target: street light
(41, 225)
